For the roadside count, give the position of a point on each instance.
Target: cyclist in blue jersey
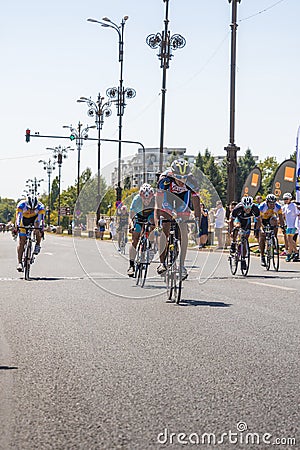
(177, 194)
(29, 212)
(141, 209)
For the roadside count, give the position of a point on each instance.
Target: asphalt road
(88, 360)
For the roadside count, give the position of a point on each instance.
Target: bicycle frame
(28, 256)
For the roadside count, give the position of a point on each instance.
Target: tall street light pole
(166, 44)
(58, 154)
(232, 149)
(118, 94)
(99, 110)
(49, 166)
(78, 134)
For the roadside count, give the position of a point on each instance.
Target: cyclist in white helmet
(141, 209)
(29, 212)
(270, 213)
(241, 218)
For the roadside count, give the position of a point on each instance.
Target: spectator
(112, 229)
(203, 234)
(229, 209)
(219, 223)
(102, 227)
(291, 213)
(258, 201)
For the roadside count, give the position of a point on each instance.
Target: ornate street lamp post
(33, 186)
(78, 134)
(166, 44)
(49, 166)
(58, 154)
(232, 149)
(99, 110)
(118, 94)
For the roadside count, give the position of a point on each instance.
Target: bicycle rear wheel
(275, 255)
(245, 256)
(178, 277)
(27, 260)
(269, 254)
(138, 263)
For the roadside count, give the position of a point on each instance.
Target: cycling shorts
(138, 227)
(26, 221)
(291, 231)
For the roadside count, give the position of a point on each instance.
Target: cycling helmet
(180, 168)
(287, 195)
(32, 202)
(271, 198)
(247, 202)
(146, 191)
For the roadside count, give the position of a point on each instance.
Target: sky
(51, 56)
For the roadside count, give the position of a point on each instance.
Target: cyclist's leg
(163, 239)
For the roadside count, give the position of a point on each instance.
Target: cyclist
(291, 214)
(141, 209)
(177, 192)
(241, 218)
(122, 223)
(270, 213)
(29, 212)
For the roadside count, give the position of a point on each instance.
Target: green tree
(268, 168)
(7, 210)
(245, 164)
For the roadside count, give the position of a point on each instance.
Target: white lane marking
(275, 286)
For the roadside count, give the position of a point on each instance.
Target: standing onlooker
(258, 201)
(203, 234)
(102, 226)
(112, 229)
(219, 223)
(228, 212)
(291, 213)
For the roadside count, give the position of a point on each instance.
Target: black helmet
(181, 169)
(32, 202)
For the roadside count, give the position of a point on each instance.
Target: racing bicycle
(28, 255)
(174, 259)
(272, 248)
(143, 253)
(242, 253)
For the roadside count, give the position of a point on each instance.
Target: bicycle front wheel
(245, 258)
(269, 254)
(170, 274)
(27, 260)
(233, 262)
(178, 276)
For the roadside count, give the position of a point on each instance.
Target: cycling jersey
(26, 216)
(141, 211)
(175, 196)
(266, 213)
(244, 217)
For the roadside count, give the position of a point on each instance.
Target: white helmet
(271, 198)
(287, 195)
(247, 202)
(146, 191)
(32, 202)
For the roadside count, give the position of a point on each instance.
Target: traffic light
(27, 135)
(72, 137)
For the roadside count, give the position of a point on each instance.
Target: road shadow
(8, 368)
(53, 278)
(190, 302)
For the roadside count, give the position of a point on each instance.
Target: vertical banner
(252, 183)
(284, 179)
(298, 167)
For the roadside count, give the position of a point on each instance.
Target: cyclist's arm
(19, 215)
